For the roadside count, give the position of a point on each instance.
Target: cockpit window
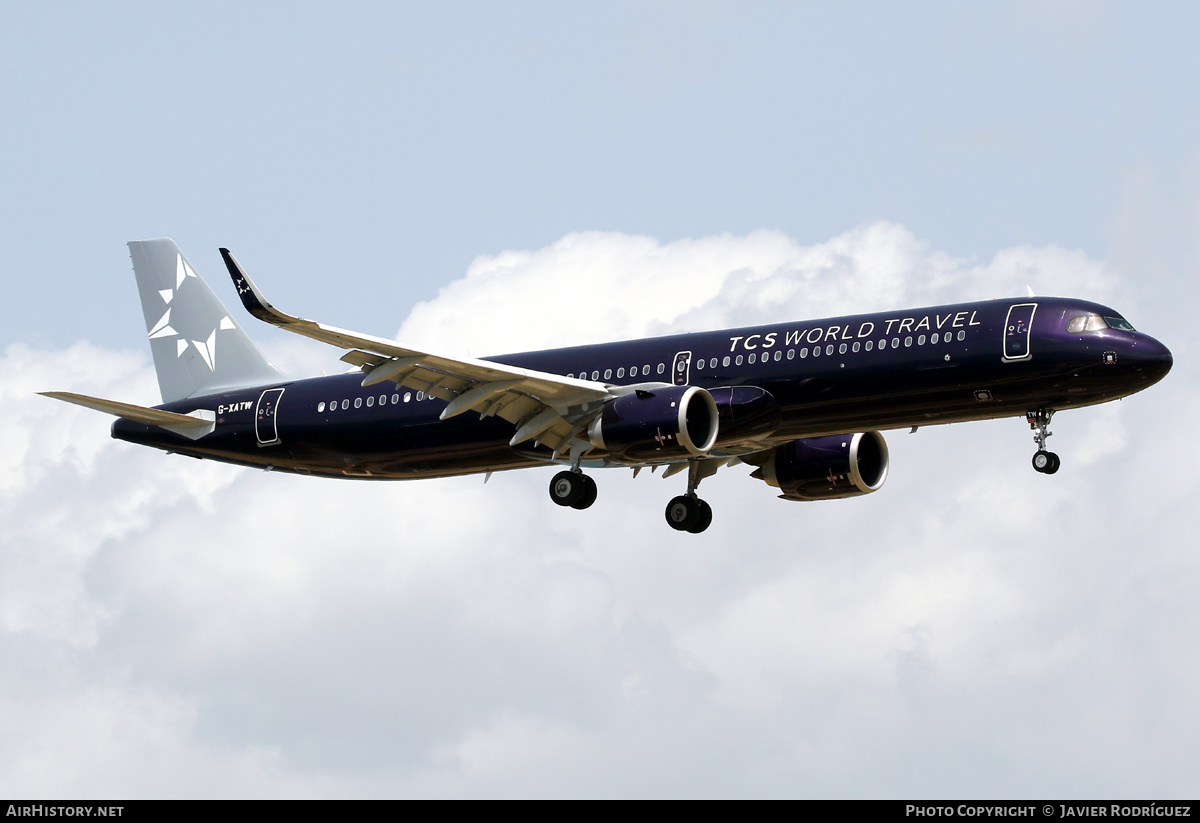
(1086, 322)
(1094, 322)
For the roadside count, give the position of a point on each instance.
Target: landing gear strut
(573, 488)
(688, 513)
(1046, 462)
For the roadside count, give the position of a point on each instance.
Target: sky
(481, 178)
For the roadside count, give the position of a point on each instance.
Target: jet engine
(826, 468)
(672, 421)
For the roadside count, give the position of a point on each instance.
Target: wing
(549, 408)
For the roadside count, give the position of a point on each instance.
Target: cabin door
(1016, 332)
(682, 368)
(265, 427)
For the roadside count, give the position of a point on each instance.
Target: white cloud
(594, 287)
(207, 630)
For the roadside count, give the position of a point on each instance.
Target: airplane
(803, 402)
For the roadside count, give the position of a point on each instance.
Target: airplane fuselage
(773, 384)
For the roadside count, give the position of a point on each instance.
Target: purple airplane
(802, 402)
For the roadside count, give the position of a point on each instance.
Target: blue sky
(486, 178)
(409, 139)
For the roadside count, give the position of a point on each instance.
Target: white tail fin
(198, 347)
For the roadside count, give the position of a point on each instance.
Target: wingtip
(252, 299)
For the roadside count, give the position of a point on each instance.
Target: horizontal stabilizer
(194, 425)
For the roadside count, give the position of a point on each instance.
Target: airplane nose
(1152, 358)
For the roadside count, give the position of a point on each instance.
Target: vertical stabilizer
(198, 347)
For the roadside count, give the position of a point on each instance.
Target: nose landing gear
(1044, 461)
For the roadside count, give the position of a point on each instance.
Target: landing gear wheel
(1046, 462)
(589, 493)
(569, 488)
(688, 514)
(705, 518)
(682, 513)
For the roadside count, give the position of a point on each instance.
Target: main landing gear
(1046, 462)
(688, 513)
(573, 488)
(685, 513)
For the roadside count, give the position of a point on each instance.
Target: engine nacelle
(826, 468)
(672, 421)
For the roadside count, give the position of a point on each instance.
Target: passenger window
(750, 359)
(661, 368)
(907, 341)
(395, 399)
(333, 406)
(370, 401)
(870, 345)
(725, 362)
(420, 396)
(321, 407)
(816, 351)
(407, 396)
(778, 355)
(358, 402)
(738, 360)
(803, 352)
(620, 372)
(646, 369)
(962, 335)
(921, 340)
(699, 364)
(855, 346)
(571, 375)
(345, 404)
(595, 374)
(791, 354)
(829, 349)
(842, 349)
